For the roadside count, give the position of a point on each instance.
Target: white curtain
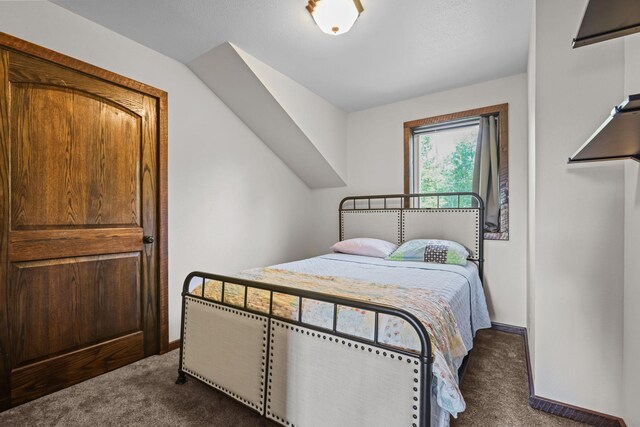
(485, 172)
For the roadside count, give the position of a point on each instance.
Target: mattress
(460, 286)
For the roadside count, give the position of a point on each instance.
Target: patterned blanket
(432, 310)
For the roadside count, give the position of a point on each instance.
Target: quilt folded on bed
(432, 310)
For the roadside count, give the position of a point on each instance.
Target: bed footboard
(226, 348)
(316, 380)
(296, 373)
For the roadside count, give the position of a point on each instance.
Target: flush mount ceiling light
(335, 17)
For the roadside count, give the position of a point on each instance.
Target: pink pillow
(365, 246)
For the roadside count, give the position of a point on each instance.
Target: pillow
(431, 250)
(364, 246)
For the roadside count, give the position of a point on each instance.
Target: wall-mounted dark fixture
(608, 19)
(617, 138)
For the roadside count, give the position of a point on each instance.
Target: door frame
(15, 44)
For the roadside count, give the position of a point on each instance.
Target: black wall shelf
(617, 138)
(608, 19)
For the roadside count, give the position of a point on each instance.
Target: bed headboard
(400, 217)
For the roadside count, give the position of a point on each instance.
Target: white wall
(322, 122)
(577, 251)
(375, 166)
(302, 129)
(531, 212)
(631, 348)
(232, 203)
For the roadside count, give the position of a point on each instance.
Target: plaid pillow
(431, 250)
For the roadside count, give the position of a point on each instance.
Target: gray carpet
(144, 394)
(140, 394)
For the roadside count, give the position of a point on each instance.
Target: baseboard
(519, 330)
(173, 345)
(575, 413)
(554, 407)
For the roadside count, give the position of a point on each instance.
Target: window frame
(502, 111)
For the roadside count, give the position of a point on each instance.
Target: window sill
(496, 236)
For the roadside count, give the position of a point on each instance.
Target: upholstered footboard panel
(227, 349)
(316, 379)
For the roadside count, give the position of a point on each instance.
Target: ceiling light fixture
(335, 17)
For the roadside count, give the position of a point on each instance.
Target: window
(461, 152)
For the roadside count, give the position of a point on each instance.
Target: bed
(345, 339)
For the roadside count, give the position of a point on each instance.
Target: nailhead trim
(264, 321)
(411, 362)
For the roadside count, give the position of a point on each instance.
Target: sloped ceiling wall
(304, 130)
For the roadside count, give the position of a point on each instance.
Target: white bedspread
(459, 285)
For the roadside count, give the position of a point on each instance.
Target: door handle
(147, 240)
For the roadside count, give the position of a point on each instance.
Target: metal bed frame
(422, 359)
(412, 201)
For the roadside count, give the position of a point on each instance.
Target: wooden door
(80, 264)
